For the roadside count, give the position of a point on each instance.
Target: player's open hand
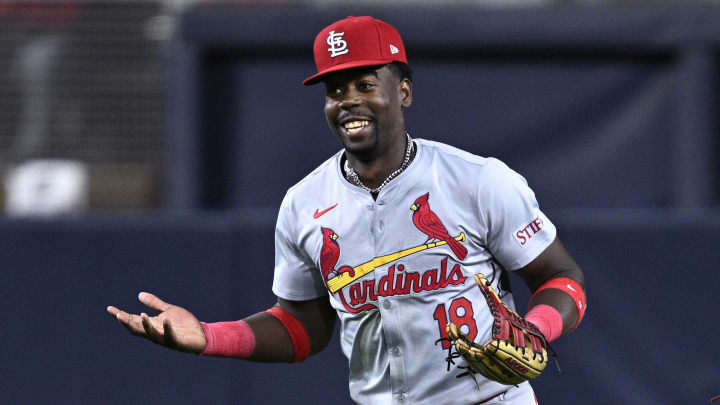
(174, 327)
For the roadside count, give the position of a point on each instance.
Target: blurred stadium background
(146, 146)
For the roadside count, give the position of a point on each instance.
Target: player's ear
(405, 89)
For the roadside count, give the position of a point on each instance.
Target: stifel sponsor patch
(524, 234)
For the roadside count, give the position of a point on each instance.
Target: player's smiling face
(363, 107)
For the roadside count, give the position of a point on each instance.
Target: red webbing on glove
(506, 319)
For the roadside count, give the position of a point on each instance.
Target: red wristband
(228, 339)
(547, 319)
(298, 335)
(572, 288)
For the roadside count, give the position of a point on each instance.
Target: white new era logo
(393, 49)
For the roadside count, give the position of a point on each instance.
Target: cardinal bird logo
(329, 254)
(428, 223)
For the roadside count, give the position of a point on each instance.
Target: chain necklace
(353, 177)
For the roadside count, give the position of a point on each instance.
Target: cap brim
(316, 78)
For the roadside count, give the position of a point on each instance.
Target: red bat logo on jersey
(329, 254)
(428, 223)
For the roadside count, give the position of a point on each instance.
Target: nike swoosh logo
(318, 214)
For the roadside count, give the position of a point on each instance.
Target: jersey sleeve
(296, 278)
(517, 231)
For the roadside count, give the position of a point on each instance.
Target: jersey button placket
(370, 218)
(390, 323)
(381, 224)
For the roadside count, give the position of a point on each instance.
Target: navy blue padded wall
(649, 281)
(585, 130)
(61, 345)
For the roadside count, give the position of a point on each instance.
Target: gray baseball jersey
(400, 267)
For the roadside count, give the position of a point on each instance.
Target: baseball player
(409, 242)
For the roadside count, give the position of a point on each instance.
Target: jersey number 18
(457, 307)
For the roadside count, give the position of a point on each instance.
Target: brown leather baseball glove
(517, 351)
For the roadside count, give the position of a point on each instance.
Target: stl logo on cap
(373, 43)
(338, 46)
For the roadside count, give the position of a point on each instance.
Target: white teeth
(354, 127)
(355, 124)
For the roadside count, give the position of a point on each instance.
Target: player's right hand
(174, 327)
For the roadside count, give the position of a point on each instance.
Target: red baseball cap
(355, 42)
